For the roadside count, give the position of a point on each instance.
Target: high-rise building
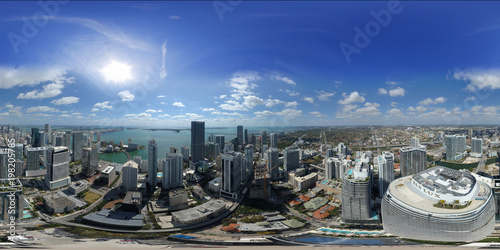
(152, 164)
(356, 194)
(415, 142)
(173, 150)
(246, 136)
(264, 138)
(457, 206)
(219, 139)
(342, 149)
(67, 139)
(252, 139)
(77, 145)
(413, 160)
(291, 158)
(58, 167)
(11, 199)
(455, 146)
(172, 171)
(42, 139)
(4, 163)
(129, 175)
(274, 140)
(471, 133)
(48, 132)
(197, 141)
(90, 160)
(33, 158)
(98, 137)
(385, 172)
(239, 134)
(185, 153)
(18, 151)
(231, 174)
(35, 137)
(272, 163)
(476, 147)
(330, 153)
(249, 158)
(330, 168)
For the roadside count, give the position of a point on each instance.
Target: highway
(482, 164)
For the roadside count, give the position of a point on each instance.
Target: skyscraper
(172, 171)
(264, 138)
(197, 141)
(90, 160)
(246, 137)
(249, 158)
(130, 173)
(152, 164)
(219, 139)
(455, 146)
(35, 137)
(42, 139)
(476, 147)
(77, 145)
(239, 133)
(385, 172)
(291, 158)
(274, 140)
(4, 163)
(231, 174)
(330, 168)
(58, 167)
(67, 139)
(413, 160)
(356, 194)
(185, 153)
(48, 132)
(415, 142)
(272, 163)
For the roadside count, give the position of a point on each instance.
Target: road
(128, 155)
(481, 165)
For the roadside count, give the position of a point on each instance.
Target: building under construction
(261, 185)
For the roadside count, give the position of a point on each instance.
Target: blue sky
(253, 63)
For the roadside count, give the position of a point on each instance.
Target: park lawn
(91, 197)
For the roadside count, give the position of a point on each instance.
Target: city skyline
(259, 64)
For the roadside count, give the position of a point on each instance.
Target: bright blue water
(167, 139)
(26, 214)
(340, 241)
(334, 231)
(350, 172)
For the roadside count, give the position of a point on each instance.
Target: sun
(116, 72)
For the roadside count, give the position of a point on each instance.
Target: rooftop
(201, 211)
(108, 170)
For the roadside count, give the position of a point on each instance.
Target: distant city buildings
(476, 147)
(239, 134)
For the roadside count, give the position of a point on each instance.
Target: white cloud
(64, 116)
(66, 100)
(178, 104)
(222, 96)
(316, 114)
(397, 92)
(141, 116)
(153, 111)
(470, 98)
(292, 93)
(22, 76)
(479, 78)
(193, 116)
(395, 112)
(291, 104)
(283, 79)
(263, 113)
(430, 101)
(232, 106)
(252, 101)
(338, 82)
(163, 69)
(163, 103)
(382, 91)
(324, 96)
(49, 90)
(39, 109)
(226, 113)
(421, 109)
(161, 96)
(102, 105)
(272, 102)
(394, 104)
(163, 115)
(241, 82)
(351, 98)
(308, 99)
(391, 82)
(372, 104)
(290, 113)
(92, 115)
(126, 96)
(94, 110)
(208, 109)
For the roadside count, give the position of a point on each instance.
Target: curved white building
(439, 204)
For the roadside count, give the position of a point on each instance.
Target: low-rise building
(199, 213)
(323, 212)
(108, 175)
(77, 187)
(316, 203)
(132, 202)
(57, 203)
(177, 197)
(302, 182)
(215, 185)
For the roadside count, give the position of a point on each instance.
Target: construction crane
(265, 179)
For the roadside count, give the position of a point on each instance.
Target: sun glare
(116, 72)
